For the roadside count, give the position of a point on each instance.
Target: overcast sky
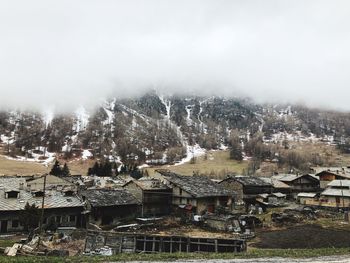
(69, 53)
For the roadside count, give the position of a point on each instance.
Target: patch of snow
(167, 104)
(48, 115)
(36, 157)
(86, 154)
(135, 113)
(82, 119)
(192, 152)
(143, 166)
(201, 124)
(189, 110)
(66, 148)
(7, 139)
(223, 147)
(109, 109)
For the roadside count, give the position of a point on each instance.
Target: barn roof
(109, 197)
(197, 186)
(293, 177)
(149, 184)
(53, 199)
(249, 180)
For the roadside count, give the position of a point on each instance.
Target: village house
(272, 199)
(62, 208)
(306, 198)
(278, 186)
(197, 194)
(300, 183)
(154, 196)
(337, 194)
(109, 206)
(247, 188)
(328, 175)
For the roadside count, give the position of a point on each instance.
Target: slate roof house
(64, 208)
(328, 175)
(337, 194)
(300, 183)
(278, 186)
(246, 187)
(109, 206)
(198, 194)
(154, 196)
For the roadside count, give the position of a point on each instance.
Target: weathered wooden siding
(137, 243)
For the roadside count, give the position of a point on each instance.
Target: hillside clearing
(214, 164)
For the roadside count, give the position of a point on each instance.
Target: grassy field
(11, 167)
(215, 164)
(253, 253)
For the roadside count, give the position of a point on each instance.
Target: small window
(15, 223)
(180, 191)
(58, 219)
(39, 194)
(72, 218)
(12, 194)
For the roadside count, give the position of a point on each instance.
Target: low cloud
(70, 53)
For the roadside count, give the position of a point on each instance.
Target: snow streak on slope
(47, 117)
(189, 109)
(109, 109)
(192, 152)
(167, 104)
(82, 119)
(135, 113)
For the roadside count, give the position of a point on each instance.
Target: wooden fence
(137, 243)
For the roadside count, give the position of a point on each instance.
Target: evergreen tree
(107, 169)
(135, 172)
(65, 170)
(29, 217)
(94, 170)
(56, 169)
(236, 152)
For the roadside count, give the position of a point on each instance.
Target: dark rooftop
(197, 186)
(106, 197)
(248, 180)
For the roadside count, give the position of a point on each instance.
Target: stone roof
(275, 183)
(336, 192)
(310, 195)
(150, 184)
(293, 177)
(344, 175)
(197, 186)
(109, 197)
(249, 180)
(53, 199)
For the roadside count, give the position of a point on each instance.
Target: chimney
(21, 186)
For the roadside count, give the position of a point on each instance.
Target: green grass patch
(252, 253)
(217, 164)
(7, 242)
